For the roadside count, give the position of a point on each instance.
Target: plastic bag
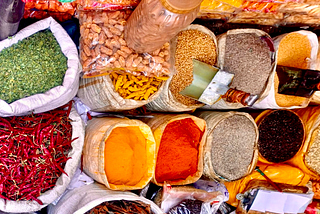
(257, 18)
(263, 7)
(212, 186)
(214, 6)
(51, 5)
(41, 14)
(103, 49)
(285, 204)
(278, 173)
(107, 4)
(188, 200)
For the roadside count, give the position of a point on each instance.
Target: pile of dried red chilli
(33, 152)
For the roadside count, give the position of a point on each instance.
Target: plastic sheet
(103, 49)
(107, 4)
(264, 7)
(215, 6)
(40, 14)
(51, 5)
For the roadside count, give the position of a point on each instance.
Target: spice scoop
(210, 84)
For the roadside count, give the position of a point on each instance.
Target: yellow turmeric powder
(294, 51)
(125, 156)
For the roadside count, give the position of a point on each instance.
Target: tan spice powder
(191, 44)
(312, 158)
(294, 51)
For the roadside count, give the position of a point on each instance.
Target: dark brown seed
(280, 136)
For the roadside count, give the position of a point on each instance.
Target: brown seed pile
(248, 58)
(312, 158)
(121, 206)
(191, 44)
(233, 146)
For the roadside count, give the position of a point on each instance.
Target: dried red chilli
(33, 153)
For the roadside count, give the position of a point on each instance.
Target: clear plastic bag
(103, 48)
(188, 200)
(107, 4)
(51, 5)
(155, 22)
(264, 7)
(40, 14)
(213, 6)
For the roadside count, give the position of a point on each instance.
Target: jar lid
(181, 6)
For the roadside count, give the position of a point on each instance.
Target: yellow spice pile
(136, 87)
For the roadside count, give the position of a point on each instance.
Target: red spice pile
(178, 151)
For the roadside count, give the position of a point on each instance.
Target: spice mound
(281, 135)
(121, 207)
(125, 156)
(233, 141)
(248, 57)
(31, 66)
(178, 152)
(135, 87)
(34, 150)
(312, 158)
(191, 44)
(294, 51)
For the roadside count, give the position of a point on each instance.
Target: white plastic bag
(83, 199)
(173, 196)
(56, 96)
(62, 183)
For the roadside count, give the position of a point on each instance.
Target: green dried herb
(31, 66)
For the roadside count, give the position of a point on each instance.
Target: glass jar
(155, 22)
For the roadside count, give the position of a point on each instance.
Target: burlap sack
(213, 119)
(97, 132)
(264, 185)
(258, 121)
(63, 182)
(270, 102)
(99, 94)
(222, 104)
(166, 102)
(311, 119)
(158, 125)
